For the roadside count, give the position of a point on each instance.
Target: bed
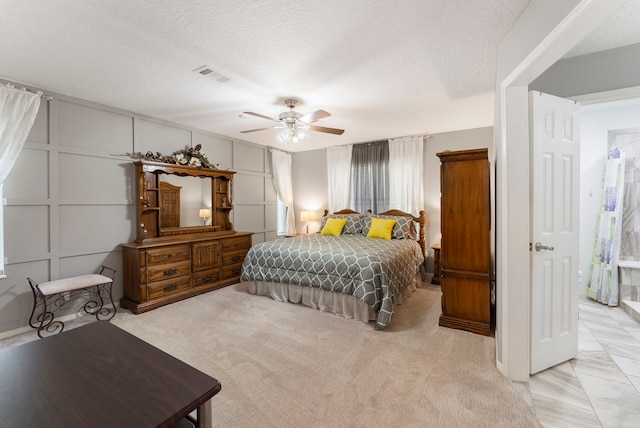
(350, 275)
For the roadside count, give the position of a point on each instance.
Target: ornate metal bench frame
(49, 297)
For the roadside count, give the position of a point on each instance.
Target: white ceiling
(381, 68)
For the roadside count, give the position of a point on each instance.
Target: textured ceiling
(622, 28)
(381, 68)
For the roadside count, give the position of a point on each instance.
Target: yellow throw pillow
(381, 228)
(334, 226)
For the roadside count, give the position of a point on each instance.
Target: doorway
(525, 53)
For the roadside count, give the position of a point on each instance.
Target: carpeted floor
(285, 365)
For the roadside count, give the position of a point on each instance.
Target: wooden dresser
(159, 273)
(465, 255)
(171, 261)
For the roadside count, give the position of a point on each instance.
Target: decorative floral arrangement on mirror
(190, 156)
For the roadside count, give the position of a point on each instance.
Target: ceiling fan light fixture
(295, 123)
(291, 136)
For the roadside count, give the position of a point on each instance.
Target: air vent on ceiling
(212, 74)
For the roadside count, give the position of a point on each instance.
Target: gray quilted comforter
(373, 270)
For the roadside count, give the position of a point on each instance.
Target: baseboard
(64, 318)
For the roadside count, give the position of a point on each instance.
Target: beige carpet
(285, 365)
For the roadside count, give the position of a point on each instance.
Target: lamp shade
(307, 216)
(204, 213)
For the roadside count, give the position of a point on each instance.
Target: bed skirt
(344, 305)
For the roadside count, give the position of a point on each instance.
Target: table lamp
(204, 214)
(307, 216)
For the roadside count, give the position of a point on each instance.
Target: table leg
(205, 419)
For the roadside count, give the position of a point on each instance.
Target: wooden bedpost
(422, 220)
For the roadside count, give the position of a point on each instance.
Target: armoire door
(465, 262)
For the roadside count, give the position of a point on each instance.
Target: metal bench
(51, 296)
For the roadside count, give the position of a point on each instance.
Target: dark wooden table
(98, 375)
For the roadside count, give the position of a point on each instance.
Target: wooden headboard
(421, 220)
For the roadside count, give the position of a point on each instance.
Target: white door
(555, 175)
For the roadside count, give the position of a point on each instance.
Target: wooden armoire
(465, 254)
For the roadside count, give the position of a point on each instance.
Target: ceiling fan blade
(260, 115)
(315, 116)
(258, 129)
(327, 130)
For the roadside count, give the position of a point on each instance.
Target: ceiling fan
(295, 122)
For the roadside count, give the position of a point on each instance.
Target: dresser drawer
(170, 270)
(234, 257)
(232, 244)
(175, 253)
(206, 277)
(169, 286)
(231, 271)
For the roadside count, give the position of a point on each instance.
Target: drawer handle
(170, 287)
(207, 278)
(170, 272)
(236, 258)
(236, 271)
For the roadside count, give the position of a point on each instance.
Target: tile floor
(601, 386)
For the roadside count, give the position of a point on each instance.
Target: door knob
(539, 247)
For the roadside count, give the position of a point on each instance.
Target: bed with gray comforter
(375, 271)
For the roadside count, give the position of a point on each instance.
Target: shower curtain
(603, 282)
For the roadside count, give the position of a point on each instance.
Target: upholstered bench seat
(73, 283)
(51, 296)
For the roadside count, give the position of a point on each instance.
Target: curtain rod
(45, 96)
(424, 136)
(271, 149)
(413, 135)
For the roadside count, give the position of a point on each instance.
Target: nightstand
(436, 264)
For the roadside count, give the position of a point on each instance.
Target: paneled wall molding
(70, 198)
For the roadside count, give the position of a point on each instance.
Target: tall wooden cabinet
(465, 254)
(168, 261)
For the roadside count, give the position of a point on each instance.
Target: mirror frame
(148, 208)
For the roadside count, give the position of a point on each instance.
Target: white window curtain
(338, 176)
(405, 174)
(18, 110)
(281, 167)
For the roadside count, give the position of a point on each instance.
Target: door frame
(512, 148)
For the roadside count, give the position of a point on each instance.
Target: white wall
(436, 143)
(597, 72)
(309, 175)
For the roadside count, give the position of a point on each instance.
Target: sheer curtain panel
(281, 166)
(370, 177)
(18, 110)
(338, 176)
(405, 174)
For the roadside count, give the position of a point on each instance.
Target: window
(281, 216)
(370, 177)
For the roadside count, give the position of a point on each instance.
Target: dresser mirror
(181, 200)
